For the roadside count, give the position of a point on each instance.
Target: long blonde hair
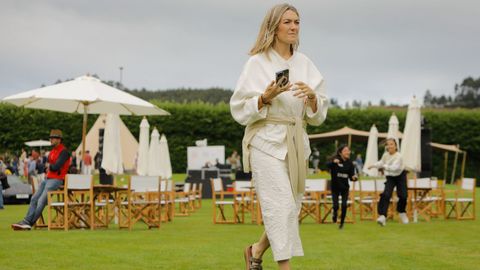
(266, 35)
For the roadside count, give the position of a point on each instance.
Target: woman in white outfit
(392, 166)
(275, 145)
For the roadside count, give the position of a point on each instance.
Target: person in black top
(341, 169)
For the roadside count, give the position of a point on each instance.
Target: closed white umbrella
(165, 164)
(142, 158)
(372, 152)
(112, 151)
(154, 168)
(411, 142)
(393, 127)
(86, 95)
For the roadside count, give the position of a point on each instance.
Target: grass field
(196, 243)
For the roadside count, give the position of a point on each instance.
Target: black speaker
(426, 149)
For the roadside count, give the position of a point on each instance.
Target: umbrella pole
(84, 128)
(445, 166)
(463, 163)
(454, 167)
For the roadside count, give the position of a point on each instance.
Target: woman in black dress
(341, 169)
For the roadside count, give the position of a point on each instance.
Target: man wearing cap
(59, 163)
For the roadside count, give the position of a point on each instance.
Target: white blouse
(391, 164)
(258, 73)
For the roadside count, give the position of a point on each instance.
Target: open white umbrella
(411, 148)
(372, 152)
(86, 95)
(165, 164)
(142, 154)
(112, 151)
(154, 154)
(38, 143)
(393, 127)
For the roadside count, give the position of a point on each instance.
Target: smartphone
(282, 77)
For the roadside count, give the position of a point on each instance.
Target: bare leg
(260, 247)
(284, 265)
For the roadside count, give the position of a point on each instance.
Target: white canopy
(87, 95)
(38, 143)
(372, 152)
(411, 148)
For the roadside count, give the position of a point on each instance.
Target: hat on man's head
(56, 133)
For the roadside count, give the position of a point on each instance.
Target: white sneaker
(382, 220)
(403, 218)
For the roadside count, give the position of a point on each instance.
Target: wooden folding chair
(313, 199)
(144, 201)
(368, 200)
(462, 205)
(244, 197)
(436, 195)
(183, 200)
(198, 196)
(422, 202)
(219, 202)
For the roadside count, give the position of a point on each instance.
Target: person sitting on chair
(59, 163)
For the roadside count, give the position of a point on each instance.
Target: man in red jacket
(59, 163)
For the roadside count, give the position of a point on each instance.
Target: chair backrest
(140, 183)
(423, 183)
(316, 185)
(353, 185)
(243, 186)
(194, 188)
(186, 187)
(411, 183)
(468, 184)
(170, 185)
(380, 184)
(79, 181)
(367, 186)
(217, 184)
(434, 184)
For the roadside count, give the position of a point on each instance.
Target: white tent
(128, 142)
(372, 152)
(411, 148)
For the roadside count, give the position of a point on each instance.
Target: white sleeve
(318, 86)
(244, 101)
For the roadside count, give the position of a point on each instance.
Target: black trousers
(400, 182)
(344, 194)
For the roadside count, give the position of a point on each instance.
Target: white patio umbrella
(142, 154)
(411, 148)
(393, 127)
(86, 95)
(112, 151)
(372, 152)
(38, 143)
(165, 164)
(154, 154)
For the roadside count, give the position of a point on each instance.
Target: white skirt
(279, 208)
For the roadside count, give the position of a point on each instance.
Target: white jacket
(258, 73)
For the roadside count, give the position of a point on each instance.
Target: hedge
(191, 122)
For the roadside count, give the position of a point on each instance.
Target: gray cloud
(367, 50)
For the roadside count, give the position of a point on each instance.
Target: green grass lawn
(196, 243)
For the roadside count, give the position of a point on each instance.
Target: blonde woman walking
(279, 91)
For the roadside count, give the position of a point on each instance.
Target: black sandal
(251, 262)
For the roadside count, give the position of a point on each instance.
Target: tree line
(466, 95)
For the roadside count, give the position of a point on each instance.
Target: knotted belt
(297, 164)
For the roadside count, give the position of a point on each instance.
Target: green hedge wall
(191, 122)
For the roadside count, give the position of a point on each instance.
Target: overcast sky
(366, 50)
